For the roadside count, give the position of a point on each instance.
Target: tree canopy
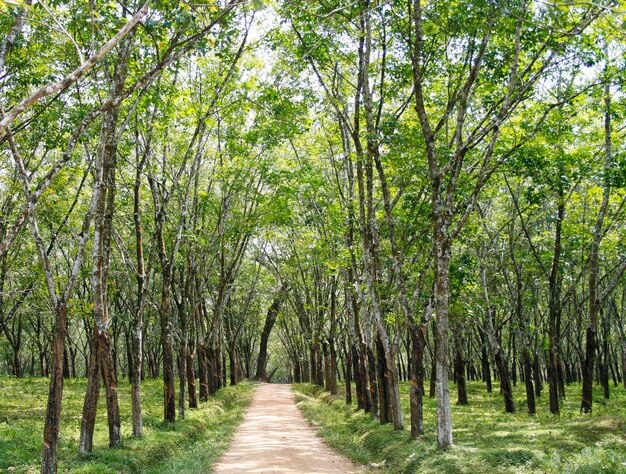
(369, 190)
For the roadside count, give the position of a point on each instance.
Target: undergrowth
(189, 446)
(486, 439)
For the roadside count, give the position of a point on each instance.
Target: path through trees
(275, 437)
(340, 192)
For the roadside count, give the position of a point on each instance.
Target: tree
(473, 152)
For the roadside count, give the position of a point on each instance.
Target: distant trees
(364, 191)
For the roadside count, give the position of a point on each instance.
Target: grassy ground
(188, 446)
(486, 438)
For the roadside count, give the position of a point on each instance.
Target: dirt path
(275, 437)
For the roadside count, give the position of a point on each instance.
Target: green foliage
(273, 176)
(187, 446)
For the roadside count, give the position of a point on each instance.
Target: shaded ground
(486, 439)
(188, 446)
(275, 437)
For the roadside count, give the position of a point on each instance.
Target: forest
(354, 194)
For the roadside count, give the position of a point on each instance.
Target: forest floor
(187, 446)
(487, 440)
(275, 437)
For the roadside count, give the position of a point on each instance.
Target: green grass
(486, 439)
(187, 446)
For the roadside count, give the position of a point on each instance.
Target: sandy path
(275, 437)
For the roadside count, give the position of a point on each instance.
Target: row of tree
(369, 191)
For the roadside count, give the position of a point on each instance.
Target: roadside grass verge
(486, 438)
(191, 445)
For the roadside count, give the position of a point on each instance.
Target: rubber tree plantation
(396, 201)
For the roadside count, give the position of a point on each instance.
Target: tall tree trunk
(554, 308)
(55, 394)
(373, 383)
(347, 375)
(66, 364)
(232, 359)
(624, 362)
(142, 291)
(109, 377)
(537, 375)
(360, 377)
(459, 367)
(330, 367)
(442, 297)
(528, 380)
(496, 350)
(369, 404)
(104, 363)
(297, 371)
(222, 370)
(594, 302)
(182, 382)
(485, 364)
(191, 380)
(384, 396)
(270, 319)
(418, 343)
(395, 403)
(330, 354)
(204, 372)
(90, 404)
(169, 395)
(318, 361)
(18, 370)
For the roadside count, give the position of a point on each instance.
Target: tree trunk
(395, 403)
(213, 370)
(318, 357)
(624, 362)
(66, 364)
(485, 365)
(109, 376)
(169, 400)
(432, 386)
(222, 368)
(384, 397)
(442, 296)
(461, 387)
(191, 381)
(528, 380)
(330, 367)
(55, 395)
(418, 343)
(554, 308)
(137, 339)
(594, 301)
(459, 368)
(100, 367)
(537, 375)
(360, 379)
(373, 384)
(297, 371)
(270, 319)
(104, 364)
(17, 360)
(182, 382)
(204, 373)
(348, 376)
(232, 361)
(503, 370)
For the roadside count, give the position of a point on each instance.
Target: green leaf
(258, 4)
(11, 3)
